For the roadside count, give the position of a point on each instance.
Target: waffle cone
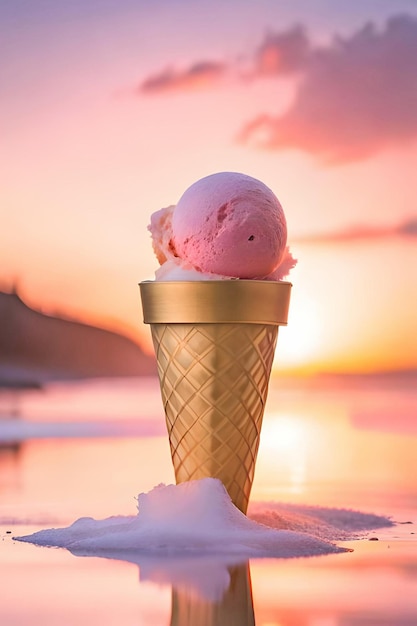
(214, 378)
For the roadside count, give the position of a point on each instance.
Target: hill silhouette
(36, 348)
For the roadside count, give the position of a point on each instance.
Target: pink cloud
(357, 96)
(197, 76)
(282, 53)
(407, 228)
(279, 53)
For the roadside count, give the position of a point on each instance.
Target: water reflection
(10, 457)
(349, 448)
(375, 584)
(206, 591)
(11, 402)
(235, 608)
(325, 444)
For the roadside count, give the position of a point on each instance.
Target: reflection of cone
(215, 343)
(234, 609)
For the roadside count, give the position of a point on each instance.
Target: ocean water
(86, 466)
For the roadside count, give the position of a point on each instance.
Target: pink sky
(109, 111)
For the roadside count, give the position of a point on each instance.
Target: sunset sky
(110, 109)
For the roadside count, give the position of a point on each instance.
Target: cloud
(407, 228)
(357, 96)
(197, 76)
(282, 53)
(279, 53)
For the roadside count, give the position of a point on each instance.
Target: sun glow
(284, 433)
(284, 444)
(299, 342)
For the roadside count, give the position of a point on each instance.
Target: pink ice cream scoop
(227, 225)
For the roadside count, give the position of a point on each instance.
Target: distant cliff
(35, 348)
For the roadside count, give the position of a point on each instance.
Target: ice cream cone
(215, 344)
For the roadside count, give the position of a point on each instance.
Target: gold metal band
(216, 301)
